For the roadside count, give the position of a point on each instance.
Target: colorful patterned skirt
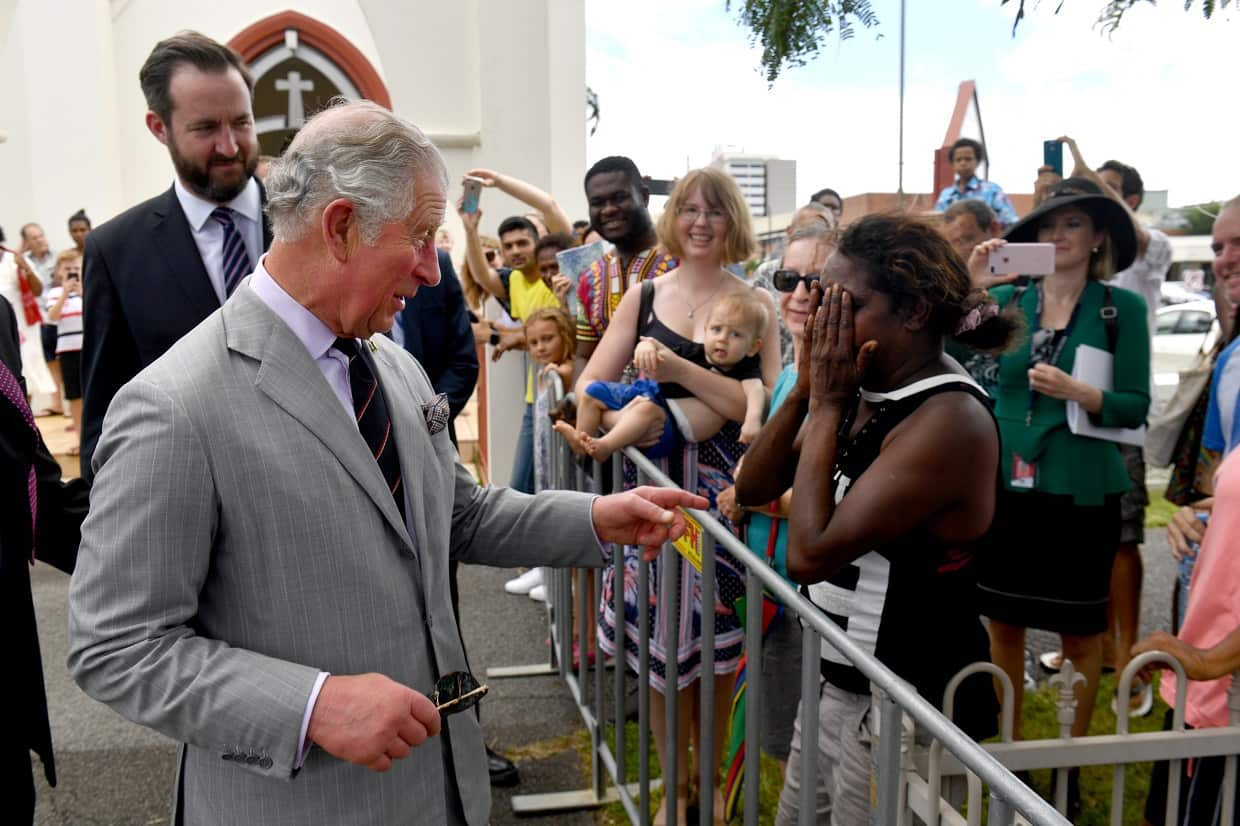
(709, 466)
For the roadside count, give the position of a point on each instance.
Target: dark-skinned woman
(892, 455)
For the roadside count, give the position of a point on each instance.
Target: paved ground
(113, 773)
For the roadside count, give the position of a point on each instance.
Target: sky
(676, 78)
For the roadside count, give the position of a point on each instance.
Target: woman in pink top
(1209, 647)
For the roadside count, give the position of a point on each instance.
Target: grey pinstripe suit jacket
(241, 539)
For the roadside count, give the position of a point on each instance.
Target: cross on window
(294, 85)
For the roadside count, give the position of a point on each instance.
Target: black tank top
(911, 603)
(649, 325)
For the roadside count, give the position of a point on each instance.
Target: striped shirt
(69, 328)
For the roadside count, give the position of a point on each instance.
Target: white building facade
(768, 183)
(494, 83)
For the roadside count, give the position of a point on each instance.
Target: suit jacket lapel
(174, 240)
(291, 379)
(418, 462)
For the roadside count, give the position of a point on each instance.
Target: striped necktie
(234, 258)
(372, 418)
(11, 389)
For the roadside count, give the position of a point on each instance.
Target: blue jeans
(523, 461)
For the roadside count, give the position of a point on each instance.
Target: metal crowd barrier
(909, 780)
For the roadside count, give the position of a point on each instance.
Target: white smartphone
(1023, 259)
(473, 191)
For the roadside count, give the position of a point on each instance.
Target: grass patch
(772, 779)
(1037, 722)
(1159, 511)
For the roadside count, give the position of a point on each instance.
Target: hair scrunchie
(977, 316)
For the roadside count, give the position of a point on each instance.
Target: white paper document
(1095, 367)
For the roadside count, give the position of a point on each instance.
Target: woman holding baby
(706, 225)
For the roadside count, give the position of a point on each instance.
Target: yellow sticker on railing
(689, 545)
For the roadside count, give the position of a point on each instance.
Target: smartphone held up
(1022, 259)
(473, 192)
(1052, 156)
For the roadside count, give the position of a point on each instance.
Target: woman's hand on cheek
(801, 389)
(835, 369)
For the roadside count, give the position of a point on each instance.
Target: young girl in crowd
(79, 228)
(551, 338)
(734, 332)
(552, 342)
(64, 308)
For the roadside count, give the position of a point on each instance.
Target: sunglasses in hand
(786, 280)
(457, 692)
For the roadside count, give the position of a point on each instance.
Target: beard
(208, 186)
(637, 225)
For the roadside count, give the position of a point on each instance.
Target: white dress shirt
(209, 233)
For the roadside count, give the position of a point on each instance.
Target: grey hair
(817, 232)
(356, 150)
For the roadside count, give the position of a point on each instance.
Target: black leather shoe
(503, 771)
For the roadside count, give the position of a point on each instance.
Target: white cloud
(1159, 94)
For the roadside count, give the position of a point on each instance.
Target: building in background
(74, 115)
(769, 184)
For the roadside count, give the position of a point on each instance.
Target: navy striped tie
(234, 259)
(372, 418)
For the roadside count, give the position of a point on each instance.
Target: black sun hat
(1086, 194)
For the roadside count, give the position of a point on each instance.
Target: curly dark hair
(908, 260)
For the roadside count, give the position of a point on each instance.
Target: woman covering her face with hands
(892, 455)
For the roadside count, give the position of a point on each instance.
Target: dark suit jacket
(144, 287)
(437, 333)
(61, 510)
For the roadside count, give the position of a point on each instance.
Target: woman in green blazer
(1057, 521)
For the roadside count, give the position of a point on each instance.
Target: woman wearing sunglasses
(767, 527)
(892, 454)
(706, 225)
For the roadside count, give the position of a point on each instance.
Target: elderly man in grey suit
(263, 573)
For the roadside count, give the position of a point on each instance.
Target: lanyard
(1056, 351)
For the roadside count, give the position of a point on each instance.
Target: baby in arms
(629, 411)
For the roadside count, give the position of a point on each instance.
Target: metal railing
(909, 780)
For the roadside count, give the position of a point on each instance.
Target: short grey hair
(817, 232)
(356, 150)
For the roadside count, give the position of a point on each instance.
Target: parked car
(1182, 332)
(1175, 292)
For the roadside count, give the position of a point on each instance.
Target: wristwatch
(494, 339)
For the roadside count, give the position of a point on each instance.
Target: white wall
(59, 111)
(495, 83)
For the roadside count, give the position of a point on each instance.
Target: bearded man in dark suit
(156, 271)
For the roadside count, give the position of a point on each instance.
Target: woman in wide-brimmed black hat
(1057, 521)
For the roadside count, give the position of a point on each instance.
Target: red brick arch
(258, 37)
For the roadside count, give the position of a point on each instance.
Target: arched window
(299, 64)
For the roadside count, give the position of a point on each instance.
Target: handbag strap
(771, 537)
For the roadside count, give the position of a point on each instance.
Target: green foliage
(792, 32)
(1199, 218)
(1114, 10)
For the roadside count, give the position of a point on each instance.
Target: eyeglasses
(786, 280)
(692, 213)
(457, 692)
